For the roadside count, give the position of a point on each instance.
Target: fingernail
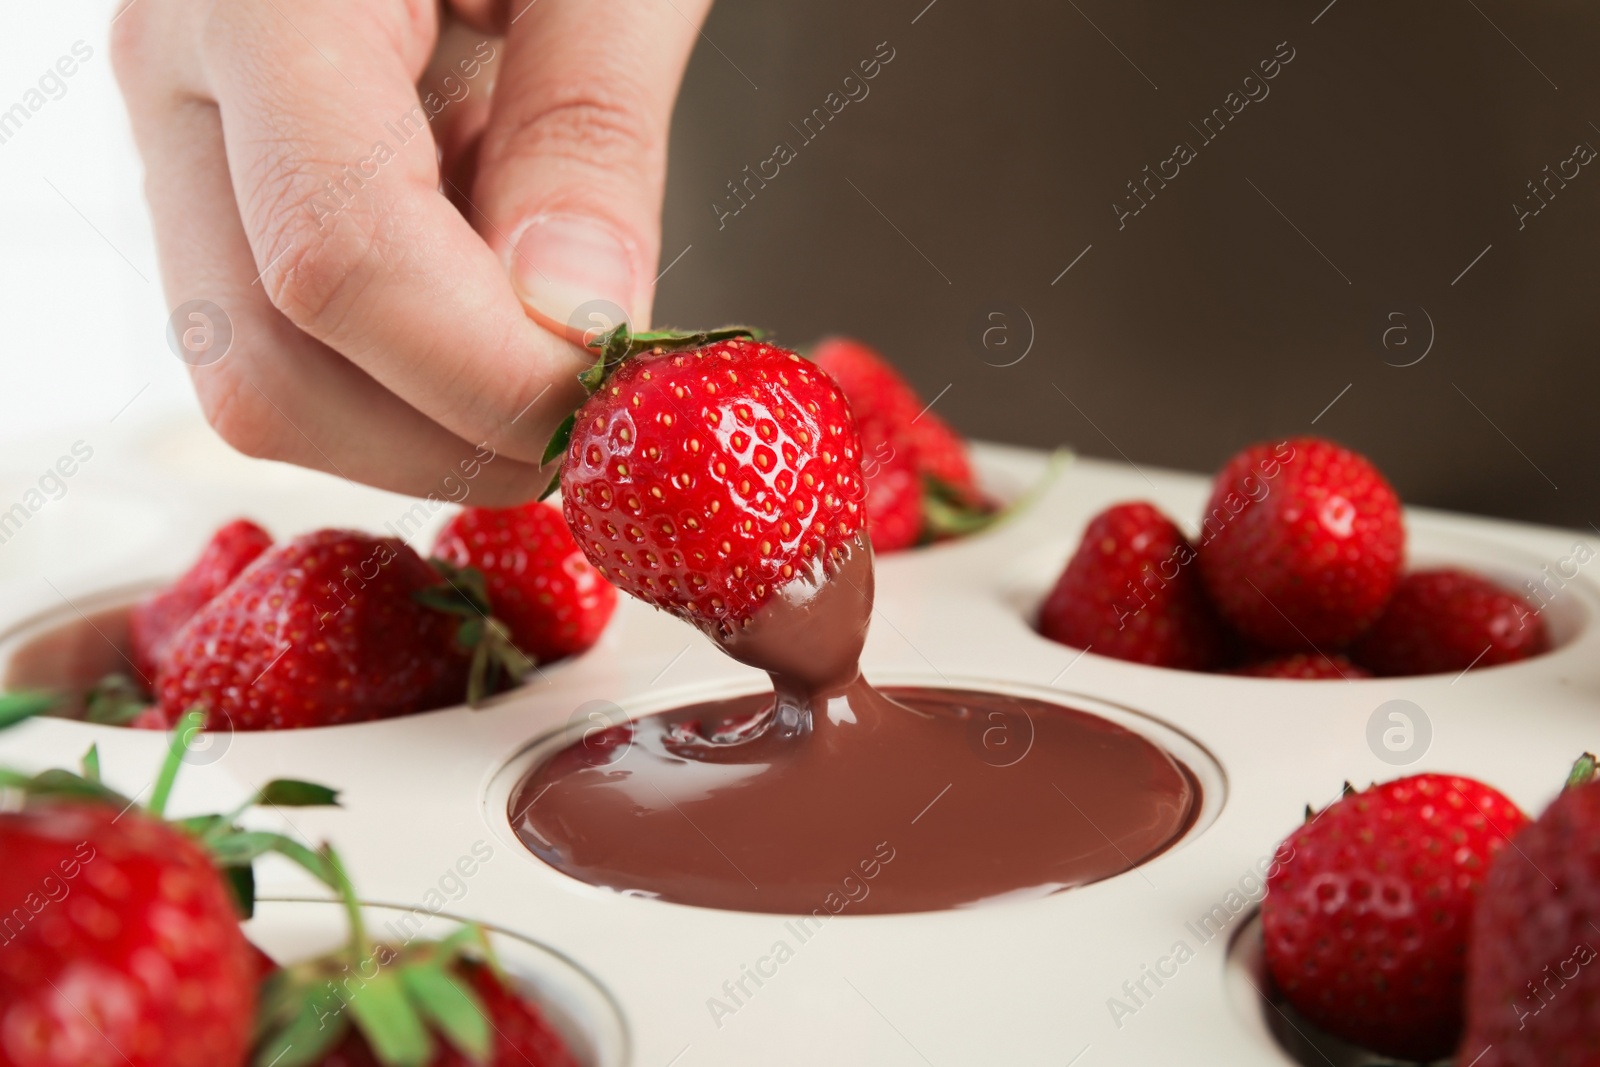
(564, 266)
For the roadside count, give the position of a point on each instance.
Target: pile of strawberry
(338, 626)
(1427, 916)
(919, 480)
(1297, 573)
(122, 945)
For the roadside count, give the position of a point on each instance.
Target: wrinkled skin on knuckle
(593, 128)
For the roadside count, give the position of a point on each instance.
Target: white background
(83, 313)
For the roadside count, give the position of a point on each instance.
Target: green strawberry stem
(22, 705)
(613, 348)
(115, 700)
(1583, 771)
(339, 879)
(397, 998)
(497, 662)
(948, 511)
(183, 735)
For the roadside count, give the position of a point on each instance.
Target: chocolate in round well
(901, 801)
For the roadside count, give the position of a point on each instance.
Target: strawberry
(708, 471)
(1533, 986)
(894, 490)
(1307, 666)
(1444, 621)
(154, 620)
(121, 944)
(1301, 545)
(950, 500)
(323, 629)
(553, 601)
(423, 1004)
(1365, 924)
(1131, 592)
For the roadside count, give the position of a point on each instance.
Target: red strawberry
(1308, 666)
(323, 629)
(1131, 591)
(1301, 544)
(703, 478)
(121, 944)
(942, 454)
(1365, 922)
(422, 1004)
(894, 491)
(1444, 621)
(522, 1037)
(878, 395)
(155, 619)
(538, 582)
(1533, 986)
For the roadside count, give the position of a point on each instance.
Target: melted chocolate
(906, 800)
(829, 796)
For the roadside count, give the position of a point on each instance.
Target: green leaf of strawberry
(614, 347)
(17, 707)
(407, 999)
(231, 848)
(497, 662)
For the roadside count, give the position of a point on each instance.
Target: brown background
(998, 137)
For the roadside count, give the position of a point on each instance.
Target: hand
(379, 196)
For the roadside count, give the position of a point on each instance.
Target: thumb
(573, 161)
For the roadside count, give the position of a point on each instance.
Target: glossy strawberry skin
(522, 1035)
(1444, 621)
(1131, 591)
(155, 619)
(540, 585)
(1365, 925)
(1302, 544)
(320, 630)
(1533, 977)
(1305, 666)
(131, 953)
(703, 480)
(894, 489)
(876, 390)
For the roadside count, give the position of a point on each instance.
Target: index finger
(336, 175)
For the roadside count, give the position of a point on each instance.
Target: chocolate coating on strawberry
(704, 480)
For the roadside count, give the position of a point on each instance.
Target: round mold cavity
(570, 998)
(70, 647)
(1201, 764)
(1273, 1023)
(1568, 603)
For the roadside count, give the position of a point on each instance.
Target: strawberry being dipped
(895, 422)
(423, 1004)
(1533, 983)
(155, 619)
(552, 600)
(709, 471)
(324, 629)
(1132, 591)
(1365, 929)
(1302, 544)
(1446, 620)
(121, 945)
